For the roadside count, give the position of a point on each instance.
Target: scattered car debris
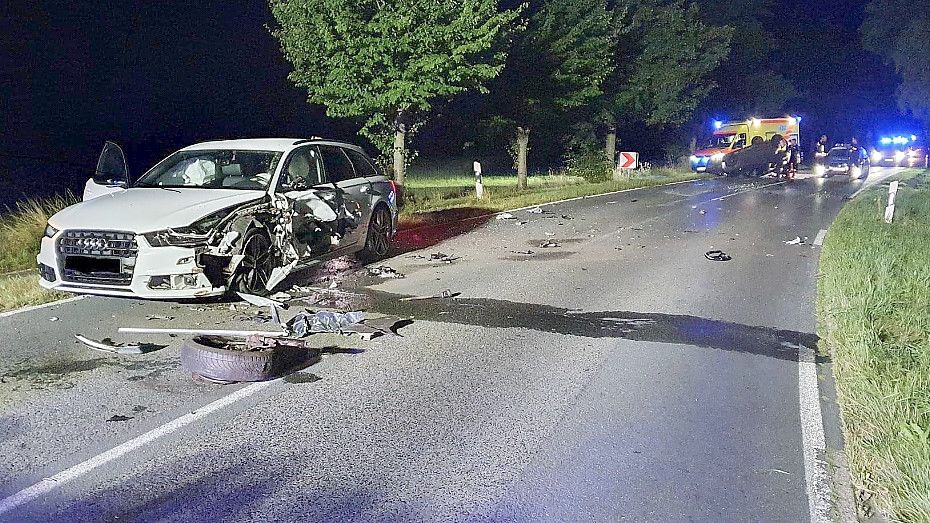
(526, 252)
(384, 271)
(703, 211)
(567, 217)
(506, 216)
(53, 318)
(442, 257)
(535, 210)
(281, 296)
(119, 417)
(261, 301)
(716, 255)
(308, 322)
(107, 345)
(796, 241)
(153, 317)
(199, 332)
(549, 243)
(634, 200)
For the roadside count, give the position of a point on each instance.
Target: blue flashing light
(913, 137)
(900, 140)
(885, 141)
(718, 124)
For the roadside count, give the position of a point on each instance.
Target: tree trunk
(610, 151)
(400, 165)
(523, 142)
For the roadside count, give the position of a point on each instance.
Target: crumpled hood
(147, 209)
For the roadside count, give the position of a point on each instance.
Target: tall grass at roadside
(874, 319)
(21, 230)
(22, 290)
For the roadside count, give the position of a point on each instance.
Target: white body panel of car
(113, 223)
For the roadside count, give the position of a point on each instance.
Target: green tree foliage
(897, 30)
(752, 80)
(387, 62)
(664, 60)
(555, 67)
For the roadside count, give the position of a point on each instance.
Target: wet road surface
(596, 366)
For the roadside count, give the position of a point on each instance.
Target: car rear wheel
(255, 268)
(379, 235)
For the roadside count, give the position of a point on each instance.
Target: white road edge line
(46, 485)
(812, 438)
(866, 185)
(42, 306)
(749, 189)
(820, 237)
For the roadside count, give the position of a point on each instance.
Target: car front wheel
(252, 275)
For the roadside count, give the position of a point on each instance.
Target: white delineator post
(892, 193)
(479, 187)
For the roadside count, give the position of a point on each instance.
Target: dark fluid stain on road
(636, 326)
(301, 377)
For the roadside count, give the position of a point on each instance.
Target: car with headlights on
(848, 159)
(233, 215)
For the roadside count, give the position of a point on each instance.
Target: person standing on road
(820, 155)
(794, 158)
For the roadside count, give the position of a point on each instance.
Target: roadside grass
(435, 193)
(22, 290)
(874, 320)
(21, 229)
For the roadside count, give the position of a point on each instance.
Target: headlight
(194, 235)
(876, 156)
(717, 157)
(913, 154)
(898, 156)
(694, 159)
(50, 231)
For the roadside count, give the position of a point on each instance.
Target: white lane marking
(812, 437)
(752, 188)
(866, 184)
(47, 485)
(820, 236)
(42, 306)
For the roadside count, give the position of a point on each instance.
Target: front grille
(106, 257)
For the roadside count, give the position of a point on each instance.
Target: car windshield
(213, 169)
(720, 140)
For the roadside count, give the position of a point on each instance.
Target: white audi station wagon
(234, 215)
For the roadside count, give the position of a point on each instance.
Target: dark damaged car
(236, 215)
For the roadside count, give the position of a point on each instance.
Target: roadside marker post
(892, 193)
(479, 187)
(626, 162)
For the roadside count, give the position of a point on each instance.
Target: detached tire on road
(206, 356)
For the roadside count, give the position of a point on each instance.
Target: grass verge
(22, 290)
(500, 192)
(874, 319)
(21, 229)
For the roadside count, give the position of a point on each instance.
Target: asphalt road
(618, 376)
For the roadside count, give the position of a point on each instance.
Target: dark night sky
(155, 76)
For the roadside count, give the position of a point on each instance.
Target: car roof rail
(307, 140)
